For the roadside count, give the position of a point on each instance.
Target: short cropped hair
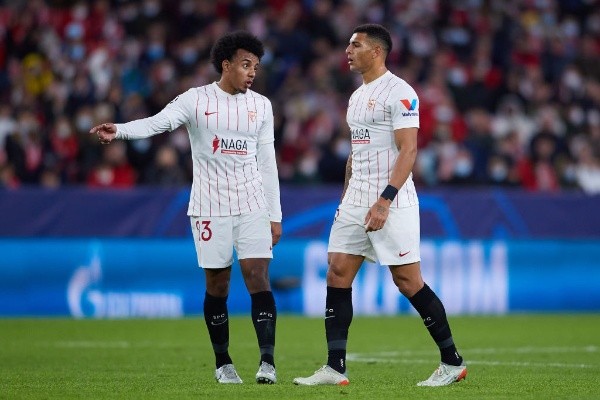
(226, 46)
(378, 33)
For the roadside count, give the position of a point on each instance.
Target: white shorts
(397, 243)
(216, 237)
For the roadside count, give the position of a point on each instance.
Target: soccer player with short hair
(235, 201)
(378, 218)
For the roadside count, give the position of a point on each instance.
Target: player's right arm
(175, 114)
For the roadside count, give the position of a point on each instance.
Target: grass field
(515, 357)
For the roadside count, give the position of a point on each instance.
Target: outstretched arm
(175, 114)
(138, 129)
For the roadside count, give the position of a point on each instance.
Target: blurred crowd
(509, 89)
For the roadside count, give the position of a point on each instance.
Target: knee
(336, 275)
(408, 286)
(258, 276)
(218, 288)
(257, 280)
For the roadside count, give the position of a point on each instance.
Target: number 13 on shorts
(204, 231)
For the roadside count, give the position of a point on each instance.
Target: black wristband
(389, 193)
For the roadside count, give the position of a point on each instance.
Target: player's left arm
(267, 167)
(406, 141)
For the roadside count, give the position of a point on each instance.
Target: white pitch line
(366, 358)
(100, 344)
(532, 349)
(93, 344)
(516, 350)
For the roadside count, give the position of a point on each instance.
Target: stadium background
(508, 169)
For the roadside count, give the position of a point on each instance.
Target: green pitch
(516, 357)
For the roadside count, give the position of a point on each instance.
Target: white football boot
(227, 374)
(266, 374)
(445, 374)
(324, 376)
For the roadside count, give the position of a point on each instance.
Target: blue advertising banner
(307, 213)
(124, 278)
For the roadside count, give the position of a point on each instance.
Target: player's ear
(376, 51)
(225, 65)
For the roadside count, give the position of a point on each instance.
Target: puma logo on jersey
(252, 115)
(371, 104)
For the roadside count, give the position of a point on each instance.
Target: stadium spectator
(114, 170)
(510, 58)
(8, 178)
(166, 169)
(587, 169)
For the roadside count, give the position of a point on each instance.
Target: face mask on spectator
(571, 28)
(77, 51)
(84, 123)
(499, 172)
(570, 173)
(572, 80)
(342, 149)
(463, 167)
(63, 131)
(151, 8)
(457, 76)
(444, 113)
(74, 31)
(576, 116)
(188, 56)
(308, 166)
(141, 145)
(155, 51)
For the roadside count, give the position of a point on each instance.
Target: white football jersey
(224, 132)
(375, 110)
